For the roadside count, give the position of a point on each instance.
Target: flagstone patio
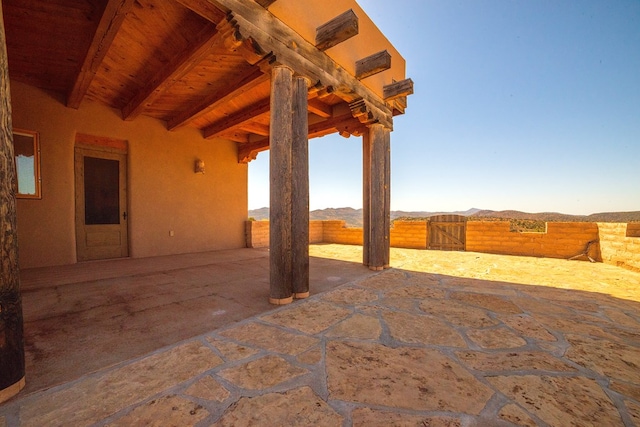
(441, 339)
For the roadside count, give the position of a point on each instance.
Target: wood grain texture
(337, 30)
(300, 189)
(280, 287)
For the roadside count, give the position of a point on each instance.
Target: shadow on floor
(88, 316)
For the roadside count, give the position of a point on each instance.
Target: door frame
(103, 148)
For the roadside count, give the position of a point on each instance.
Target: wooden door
(447, 232)
(101, 204)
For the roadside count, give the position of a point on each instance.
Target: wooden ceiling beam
(373, 64)
(337, 30)
(344, 124)
(108, 27)
(269, 34)
(319, 108)
(238, 119)
(265, 3)
(255, 128)
(207, 40)
(244, 83)
(398, 89)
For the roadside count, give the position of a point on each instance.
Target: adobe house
(134, 121)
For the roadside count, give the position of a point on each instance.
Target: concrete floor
(88, 316)
(441, 339)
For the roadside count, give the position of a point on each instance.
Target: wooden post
(300, 190)
(11, 323)
(377, 162)
(281, 289)
(387, 198)
(366, 196)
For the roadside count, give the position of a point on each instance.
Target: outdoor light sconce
(198, 166)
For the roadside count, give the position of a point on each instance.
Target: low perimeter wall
(612, 243)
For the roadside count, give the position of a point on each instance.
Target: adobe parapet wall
(561, 240)
(612, 243)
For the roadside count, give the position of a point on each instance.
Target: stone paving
(441, 339)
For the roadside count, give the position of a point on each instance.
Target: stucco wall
(205, 212)
(562, 239)
(620, 244)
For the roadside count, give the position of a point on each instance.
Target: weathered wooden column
(289, 187)
(11, 324)
(366, 196)
(376, 184)
(281, 137)
(300, 189)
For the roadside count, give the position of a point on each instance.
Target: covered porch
(442, 338)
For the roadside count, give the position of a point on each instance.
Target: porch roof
(206, 63)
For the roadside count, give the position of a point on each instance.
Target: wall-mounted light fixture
(198, 166)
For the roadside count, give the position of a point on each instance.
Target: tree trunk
(11, 332)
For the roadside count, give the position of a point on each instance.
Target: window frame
(36, 164)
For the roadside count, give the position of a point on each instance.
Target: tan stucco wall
(305, 17)
(206, 212)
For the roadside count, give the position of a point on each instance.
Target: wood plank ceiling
(185, 62)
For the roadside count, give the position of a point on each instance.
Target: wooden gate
(447, 232)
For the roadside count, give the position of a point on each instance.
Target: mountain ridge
(353, 217)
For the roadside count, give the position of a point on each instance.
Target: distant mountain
(353, 217)
(558, 217)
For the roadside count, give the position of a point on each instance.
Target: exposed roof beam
(345, 124)
(269, 34)
(265, 3)
(108, 27)
(244, 83)
(238, 119)
(398, 89)
(256, 128)
(319, 108)
(339, 29)
(373, 64)
(207, 40)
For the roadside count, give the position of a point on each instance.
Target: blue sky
(526, 105)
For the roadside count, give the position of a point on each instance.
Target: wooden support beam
(339, 29)
(207, 40)
(248, 152)
(265, 3)
(108, 27)
(238, 119)
(319, 108)
(243, 83)
(12, 361)
(378, 237)
(343, 123)
(366, 197)
(269, 34)
(255, 128)
(300, 189)
(397, 89)
(373, 64)
(280, 286)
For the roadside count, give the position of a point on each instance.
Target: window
(26, 147)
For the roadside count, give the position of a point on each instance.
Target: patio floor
(441, 339)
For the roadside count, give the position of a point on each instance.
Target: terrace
(441, 338)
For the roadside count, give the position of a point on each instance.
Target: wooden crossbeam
(373, 64)
(108, 27)
(207, 40)
(243, 83)
(397, 89)
(265, 3)
(345, 124)
(339, 29)
(269, 34)
(236, 120)
(319, 108)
